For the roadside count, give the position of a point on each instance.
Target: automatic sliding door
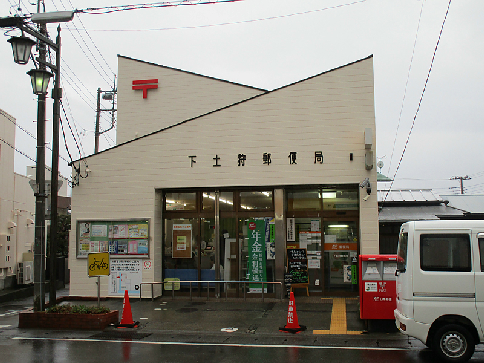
(340, 254)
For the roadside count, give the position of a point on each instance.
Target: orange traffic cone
(292, 325)
(127, 317)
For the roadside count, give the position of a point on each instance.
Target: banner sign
(257, 254)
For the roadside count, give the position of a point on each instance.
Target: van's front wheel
(453, 343)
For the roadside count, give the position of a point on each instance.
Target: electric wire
(31, 135)
(406, 86)
(72, 133)
(74, 122)
(68, 27)
(236, 22)
(420, 100)
(17, 150)
(162, 4)
(92, 41)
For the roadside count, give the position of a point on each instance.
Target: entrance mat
(120, 335)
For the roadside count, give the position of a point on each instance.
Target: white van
(440, 285)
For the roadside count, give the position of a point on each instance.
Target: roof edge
(193, 73)
(319, 74)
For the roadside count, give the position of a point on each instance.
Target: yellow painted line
(338, 319)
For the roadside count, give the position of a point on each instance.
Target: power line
(92, 41)
(17, 150)
(163, 4)
(236, 22)
(420, 101)
(406, 86)
(85, 44)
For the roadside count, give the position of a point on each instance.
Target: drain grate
(120, 335)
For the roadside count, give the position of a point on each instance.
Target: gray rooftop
(466, 202)
(409, 195)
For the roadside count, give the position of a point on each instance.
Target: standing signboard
(126, 274)
(297, 266)
(98, 264)
(257, 254)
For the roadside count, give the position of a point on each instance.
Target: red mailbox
(377, 286)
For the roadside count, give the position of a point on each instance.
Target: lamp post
(21, 47)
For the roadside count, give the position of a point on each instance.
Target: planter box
(43, 320)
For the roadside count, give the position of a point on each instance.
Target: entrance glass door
(340, 254)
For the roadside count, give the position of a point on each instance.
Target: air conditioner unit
(25, 273)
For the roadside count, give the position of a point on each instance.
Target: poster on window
(182, 241)
(257, 255)
(125, 274)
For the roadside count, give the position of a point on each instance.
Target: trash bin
(378, 286)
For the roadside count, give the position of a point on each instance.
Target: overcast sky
(270, 43)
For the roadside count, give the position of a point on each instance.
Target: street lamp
(21, 47)
(40, 81)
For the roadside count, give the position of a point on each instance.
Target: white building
(200, 162)
(17, 207)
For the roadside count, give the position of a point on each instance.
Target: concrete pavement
(234, 321)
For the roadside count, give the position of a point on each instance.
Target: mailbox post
(377, 286)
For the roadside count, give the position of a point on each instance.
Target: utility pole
(54, 182)
(461, 178)
(107, 95)
(39, 241)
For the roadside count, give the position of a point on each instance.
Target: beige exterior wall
(180, 95)
(17, 204)
(327, 113)
(7, 231)
(24, 216)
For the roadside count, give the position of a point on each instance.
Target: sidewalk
(329, 322)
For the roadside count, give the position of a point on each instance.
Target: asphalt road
(39, 350)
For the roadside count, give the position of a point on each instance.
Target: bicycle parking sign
(98, 264)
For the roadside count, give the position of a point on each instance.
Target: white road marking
(215, 344)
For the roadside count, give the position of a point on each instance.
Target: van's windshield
(402, 252)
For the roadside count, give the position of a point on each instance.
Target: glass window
(226, 201)
(481, 252)
(402, 252)
(181, 201)
(334, 199)
(256, 200)
(445, 252)
(304, 200)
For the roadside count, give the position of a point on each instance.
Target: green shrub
(77, 309)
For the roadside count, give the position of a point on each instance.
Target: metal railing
(208, 283)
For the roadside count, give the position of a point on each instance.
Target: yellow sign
(98, 264)
(169, 285)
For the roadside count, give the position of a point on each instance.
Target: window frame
(427, 268)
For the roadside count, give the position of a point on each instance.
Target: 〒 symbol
(145, 85)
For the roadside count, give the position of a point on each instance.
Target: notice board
(118, 238)
(297, 265)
